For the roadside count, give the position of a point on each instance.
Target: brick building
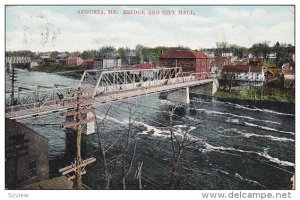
(189, 61)
(88, 62)
(74, 61)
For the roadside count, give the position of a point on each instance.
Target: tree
(139, 53)
(118, 160)
(122, 54)
(76, 54)
(88, 54)
(284, 53)
(260, 49)
(54, 54)
(179, 143)
(107, 51)
(126, 160)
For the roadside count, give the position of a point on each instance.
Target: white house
(107, 63)
(244, 74)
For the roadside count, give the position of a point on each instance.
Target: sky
(62, 28)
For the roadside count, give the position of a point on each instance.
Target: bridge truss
(102, 87)
(16, 59)
(118, 81)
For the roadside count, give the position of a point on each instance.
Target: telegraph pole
(78, 141)
(13, 80)
(79, 165)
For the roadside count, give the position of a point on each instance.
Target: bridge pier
(180, 95)
(187, 95)
(207, 89)
(88, 128)
(8, 66)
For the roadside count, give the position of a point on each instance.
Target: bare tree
(122, 158)
(138, 175)
(103, 149)
(179, 143)
(126, 161)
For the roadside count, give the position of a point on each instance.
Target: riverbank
(265, 93)
(64, 70)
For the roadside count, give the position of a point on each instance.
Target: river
(242, 145)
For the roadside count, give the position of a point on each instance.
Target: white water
(253, 109)
(268, 128)
(264, 154)
(234, 115)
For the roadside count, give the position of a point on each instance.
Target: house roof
(241, 68)
(184, 54)
(256, 69)
(89, 60)
(221, 61)
(274, 71)
(73, 58)
(145, 65)
(235, 68)
(288, 72)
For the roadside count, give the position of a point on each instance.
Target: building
(189, 61)
(26, 155)
(273, 75)
(107, 63)
(255, 62)
(62, 55)
(288, 78)
(74, 61)
(228, 54)
(221, 61)
(244, 74)
(89, 62)
(145, 66)
(44, 55)
(62, 61)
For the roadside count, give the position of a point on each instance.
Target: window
(32, 168)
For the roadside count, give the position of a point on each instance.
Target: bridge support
(8, 66)
(180, 95)
(187, 95)
(88, 128)
(33, 65)
(207, 89)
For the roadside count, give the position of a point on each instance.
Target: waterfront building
(26, 155)
(107, 63)
(244, 74)
(189, 61)
(74, 61)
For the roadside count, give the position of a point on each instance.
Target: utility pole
(78, 141)
(79, 165)
(13, 80)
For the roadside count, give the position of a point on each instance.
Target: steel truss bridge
(17, 59)
(102, 87)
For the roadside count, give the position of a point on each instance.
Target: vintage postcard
(150, 97)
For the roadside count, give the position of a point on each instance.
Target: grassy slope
(265, 93)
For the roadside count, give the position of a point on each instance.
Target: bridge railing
(36, 98)
(123, 80)
(116, 81)
(17, 59)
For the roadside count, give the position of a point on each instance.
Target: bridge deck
(18, 112)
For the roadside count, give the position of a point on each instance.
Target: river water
(244, 145)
